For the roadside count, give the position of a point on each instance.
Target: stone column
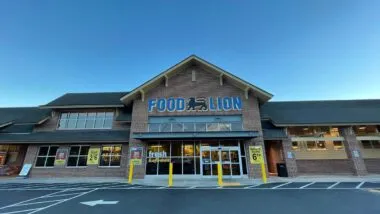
(289, 157)
(254, 170)
(353, 151)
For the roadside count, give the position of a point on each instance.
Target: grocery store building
(193, 115)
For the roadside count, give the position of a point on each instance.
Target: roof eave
(263, 95)
(81, 106)
(325, 124)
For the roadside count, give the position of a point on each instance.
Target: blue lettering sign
(212, 105)
(180, 104)
(151, 104)
(227, 103)
(220, 104)
(161, 105)
(237, 103)
(171, 104)
(195, 104)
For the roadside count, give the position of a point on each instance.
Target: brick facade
(324, 166)
(290, 161)
(372, 165)
(353, 151)
(206, 85)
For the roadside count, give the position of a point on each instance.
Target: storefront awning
(194, 135)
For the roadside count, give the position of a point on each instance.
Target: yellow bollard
(263, 173)
(130, 173)
(170, 182)
(220, 174)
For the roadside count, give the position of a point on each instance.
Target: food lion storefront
(195, 116)
(197, 143)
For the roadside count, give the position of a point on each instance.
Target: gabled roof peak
(263, 95)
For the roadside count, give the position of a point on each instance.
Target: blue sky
(297, 50)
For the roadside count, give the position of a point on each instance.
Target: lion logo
(197, 104)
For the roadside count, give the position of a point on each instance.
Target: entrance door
(228, 156)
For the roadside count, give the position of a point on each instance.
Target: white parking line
(1, 208)
(47, 197)
(19, 211)
(193, 187)
(64, 200)
(281, 185)
(360, 185)
(330, 187)
(307, 185)
(161, 188)
(62, 195)
(40, 202)
(249, 187)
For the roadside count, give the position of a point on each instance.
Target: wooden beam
(142, 95)
(166, 80)
(246, 93)
(221, 79)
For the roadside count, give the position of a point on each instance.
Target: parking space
(219, 201)
(34, 201)
(107, 197)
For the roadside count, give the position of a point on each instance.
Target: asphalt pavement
(279, 197)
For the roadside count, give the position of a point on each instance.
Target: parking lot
(292, 197)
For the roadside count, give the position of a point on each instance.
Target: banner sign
(256, 154)
(25, 170)
(93, 156)
(180, 104)
(135, 156)
(3, 157)
(60, 157)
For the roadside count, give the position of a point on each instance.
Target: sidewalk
(162, 181)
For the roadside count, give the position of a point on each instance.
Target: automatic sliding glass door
(228, 156)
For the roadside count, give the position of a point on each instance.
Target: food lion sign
(180, 104)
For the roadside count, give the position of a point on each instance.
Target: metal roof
(77, 100)
(20, 115)
(17, 128)
(324, 112)
(93, 136)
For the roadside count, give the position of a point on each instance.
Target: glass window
(338, 145)
(189, 127)
(200, 127)
(376, 144)
(224, 126)
(176, 148)
(321, 145)
(212, 127)
(163, 166)
(366, 144)
(295, 145)
(46, 156)
(236, 126)
(188, 166)
(110, 155)
(310, 145)
(188, 149)
(166, 127)
(334, 132)
(78, 156)
(154, 127)
(151, 166)
(177, 127)
(177, 165)
(84, 120)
